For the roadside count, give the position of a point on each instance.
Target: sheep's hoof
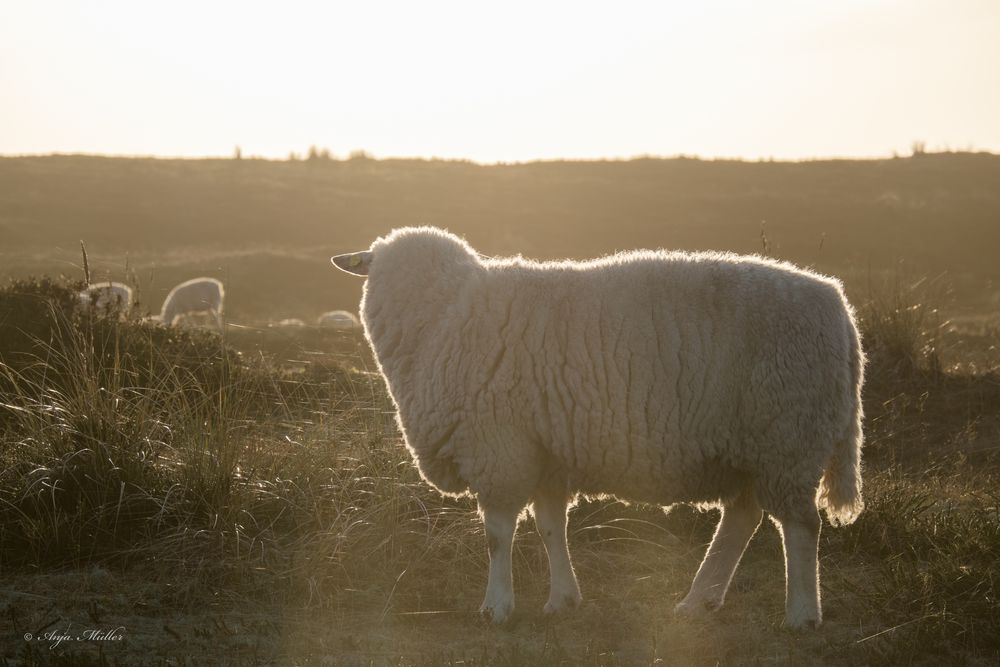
(497, 614)
(562, 603)
(696, 608)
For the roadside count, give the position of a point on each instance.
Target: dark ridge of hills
(248, 219)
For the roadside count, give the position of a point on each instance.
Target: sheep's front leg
(550, 507)
(739, 522)
(500, 524)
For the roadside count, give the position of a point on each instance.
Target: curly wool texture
(662, 377)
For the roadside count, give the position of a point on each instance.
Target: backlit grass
(258, 476)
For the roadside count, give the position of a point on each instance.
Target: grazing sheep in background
(659, 377)
(102, 297)
(338, 319)
(291, 323)
(198, 295)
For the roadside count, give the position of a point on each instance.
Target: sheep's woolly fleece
(653, 376)
(338, 319)
(102, 296)
(198, 295)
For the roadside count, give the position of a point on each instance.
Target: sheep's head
(413, 275)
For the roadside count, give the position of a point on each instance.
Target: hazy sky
(500, 80)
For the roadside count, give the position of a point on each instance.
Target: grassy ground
(247, 500)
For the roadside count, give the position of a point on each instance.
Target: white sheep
(104, 297)
(290, 323)
(338, 319)
(659, 377)
(195, 296)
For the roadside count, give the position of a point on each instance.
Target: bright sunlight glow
(500, 81)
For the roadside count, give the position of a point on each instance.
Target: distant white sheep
(291, 323)
(104, 297)
(660, 377)
(338, 319)
(195, 296)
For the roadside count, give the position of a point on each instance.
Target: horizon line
(361, 155)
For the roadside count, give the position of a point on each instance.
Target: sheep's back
(666, 381)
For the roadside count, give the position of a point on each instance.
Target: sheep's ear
(354, 262)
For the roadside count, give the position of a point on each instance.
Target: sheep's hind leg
(739, 522)
(550, 508)
(800, 537)
(500, 524)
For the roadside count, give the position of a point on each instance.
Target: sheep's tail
(840, 490)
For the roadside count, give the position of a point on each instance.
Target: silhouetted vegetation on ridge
(244, 220)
